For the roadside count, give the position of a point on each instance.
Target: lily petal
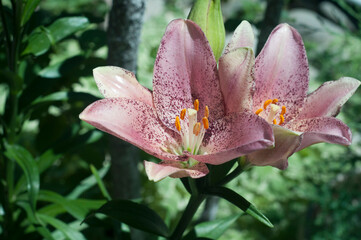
(134, 122)
(242, 37)
(115, 82)
(286, 143)
(235, 135)
(185, 70)
(237, 83)
(328, 99)
(281, 71)
(321, 129)
(175, 169)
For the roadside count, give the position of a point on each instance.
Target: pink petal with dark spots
(115, 82)
(233, 136)
(157, 172)
(328, 99)
(321, 129)
(185, 70)
(134, 122)
(242, 37)
(235, 73)
(281, 71)
(286, 143)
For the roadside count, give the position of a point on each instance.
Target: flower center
(274, 110)
(191, 131)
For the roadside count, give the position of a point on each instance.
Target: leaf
(240, 202)
(38, 42)
(29, 167)
(41, 38)
(29, 8)
(100, 182)
(135, 215)
(43, 162)
(42, 230)
(66, 26)
(212, 229)
(69, 232)
(88, 182)
(62, 68)
(65, 96)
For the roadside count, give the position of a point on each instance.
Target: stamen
(183, 113)
(282, 119)
(177, 123)
(205, 123)
(283, 110)
(206, 112)
(259, 111)
(197, 128)
(266, 103)
(274, 101)
(274, 121)
(196, 104)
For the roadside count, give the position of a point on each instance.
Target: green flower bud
(208, 15)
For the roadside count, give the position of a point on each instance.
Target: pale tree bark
(124, 28)
(270, 20)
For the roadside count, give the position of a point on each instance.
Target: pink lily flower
(183, 121)
(277, 92)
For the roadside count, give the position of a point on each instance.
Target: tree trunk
(270, 20)
(124, 28)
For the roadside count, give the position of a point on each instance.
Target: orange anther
(266, 103)
(274, 101)
(274, 121)
(196, 104)
(206, 112)
(283, 110)
(183, 113)
(205, 122)
(197, 128)
(282, 119)
(259, 111)
(177, 123)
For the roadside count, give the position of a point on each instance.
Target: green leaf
(29, 167)
(66, 26)
(77, 211)
(43, 162)
(212, 229)
(68, 231)
(88, 182)
(240, 202)
(135, 215)
(100, 182)
(31, 216)
(64, 96)
(38, 42)
(28, 10)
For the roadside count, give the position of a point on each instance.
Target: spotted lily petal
(242, 37)
(235, 135)
(321, 129)
(328, 99)
(286, 143)
(236, 79)
(132, 121)
(115, 82)
(157, 172)
(281, 70)
(185, 69)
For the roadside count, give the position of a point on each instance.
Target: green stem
(191, 209)
(193, 186)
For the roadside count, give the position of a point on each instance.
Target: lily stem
(193, 204)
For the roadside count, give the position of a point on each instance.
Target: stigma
(272, 112)
(191, 131)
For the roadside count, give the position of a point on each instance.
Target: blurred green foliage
(317, 197)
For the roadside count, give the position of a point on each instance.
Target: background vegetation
(58, 161)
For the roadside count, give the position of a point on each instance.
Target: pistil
(274, 110)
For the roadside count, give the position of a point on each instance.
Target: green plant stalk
(184, 221)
